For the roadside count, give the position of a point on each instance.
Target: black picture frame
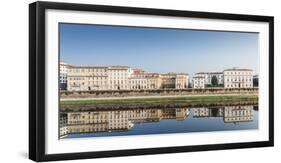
(37, 79)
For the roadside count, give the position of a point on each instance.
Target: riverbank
(157, 92)
(159, 100)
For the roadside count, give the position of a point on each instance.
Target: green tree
(255, 82)
(214, 81)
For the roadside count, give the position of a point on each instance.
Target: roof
(238, 69)
(101, 67)
(209, 73)
(118, 67)
(173, 73)
(199, 77)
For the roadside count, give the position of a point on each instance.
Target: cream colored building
(145, 115)
(158, 81)
(174, 80)
(238, 78)
(99, 121)
(181, 81)
(138, 81)
(87, 78)
(82, 78)
(153, 80)
(118, 77)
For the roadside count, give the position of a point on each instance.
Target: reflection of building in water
(123, 120)
(178, 113)
(87, 122)
(120, 120)
(145, 115)
(238, 113)
(201, 79)
(229, 113)
(207, 112)
(181, 113)
(63, 124)
(238, 78)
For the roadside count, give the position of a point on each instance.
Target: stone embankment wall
(159, 92)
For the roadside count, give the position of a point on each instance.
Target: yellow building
(153, 80)
(81, 78)
(174, 80)
(98, 121)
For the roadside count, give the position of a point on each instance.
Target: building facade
(118, 77)
(233, 114)
(217, 75)
(63, 75)
(63, 124)
(82, 78)
(204, 79)
(153, 80)
(138, 80)
(238, 78)
(199, 80)
(174, 80)
(87, 78)
(115, 120)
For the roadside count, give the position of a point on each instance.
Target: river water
(158, 121)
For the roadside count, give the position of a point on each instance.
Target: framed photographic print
(111, 81)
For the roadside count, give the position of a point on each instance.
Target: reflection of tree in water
(256, 107)
(215, 111)
(109, 120)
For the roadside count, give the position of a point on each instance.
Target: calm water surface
(158, 121)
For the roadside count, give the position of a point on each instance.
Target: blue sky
(158, 50)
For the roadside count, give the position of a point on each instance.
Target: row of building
(123, 120)
(82, 78)
(229, 78)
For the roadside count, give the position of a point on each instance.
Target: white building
(63, 124)
(137, 79)
(238, 78)
(199, 80)
(210, 75)
(63, 75)
(118, 77)
(233, 114)
(207, 77)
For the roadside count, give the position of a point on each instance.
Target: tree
(214, 81)
(255, 82)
